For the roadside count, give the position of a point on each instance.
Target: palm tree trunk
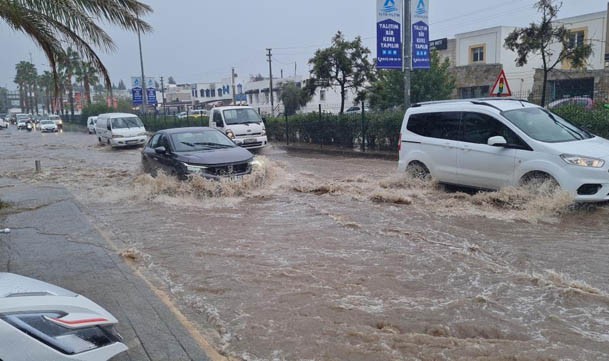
(87, 87)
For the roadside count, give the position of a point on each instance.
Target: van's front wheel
(418, 170)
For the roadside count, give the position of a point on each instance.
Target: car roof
(499, 104)
(185, 130)
(117, 115)
(232, 107)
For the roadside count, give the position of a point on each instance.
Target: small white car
(58, 121)
(3, 123)
(494, 143)
(91, 124)
(47, 126)
(40, 321)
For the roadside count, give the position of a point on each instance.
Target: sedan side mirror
(160, 150)
(497, 141)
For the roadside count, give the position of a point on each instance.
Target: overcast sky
(200, 40)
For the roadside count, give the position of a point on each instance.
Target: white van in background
(241, 124)
(120, 130)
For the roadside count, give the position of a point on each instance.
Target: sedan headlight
(230, 134)
(194, 168)
(583, 161)
(256, 164)
(46, 328)
(142, 134)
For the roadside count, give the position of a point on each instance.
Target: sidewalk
(52, 240)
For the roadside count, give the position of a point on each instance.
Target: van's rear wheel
(418, 170)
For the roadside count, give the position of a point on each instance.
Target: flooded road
(327, 258)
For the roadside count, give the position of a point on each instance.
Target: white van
(91, 124)
(494, 143)
(120, 130)
(241, 124)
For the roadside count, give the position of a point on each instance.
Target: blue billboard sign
(151, 96)
(389, 47)
(137, 96)
(420, 46)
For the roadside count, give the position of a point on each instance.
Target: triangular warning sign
(501, 87)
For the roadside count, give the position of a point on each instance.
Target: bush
(595, 120)
(380, 130)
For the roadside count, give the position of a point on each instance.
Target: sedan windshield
(545, 126)
(200, 140)
(129, 122)
(241, 116)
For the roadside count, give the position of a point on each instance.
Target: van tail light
(400, 143)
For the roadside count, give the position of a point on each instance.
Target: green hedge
(380, 130)
(595, 120)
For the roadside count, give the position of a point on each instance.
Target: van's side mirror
(497, 141)
(264, 119)
(219, 124)
(160, 150)
(109, 127)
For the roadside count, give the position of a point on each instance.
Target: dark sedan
(195, 151)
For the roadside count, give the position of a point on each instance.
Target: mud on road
(330, 258)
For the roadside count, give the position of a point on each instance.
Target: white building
(207, 94)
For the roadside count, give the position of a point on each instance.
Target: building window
(576, 38)
(476, 54)
(474, 92)
(322, 95)
(202, 92)
(219, 92)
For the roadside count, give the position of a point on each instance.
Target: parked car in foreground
(40, 321)
(47, 126)
(120, 130)
(91, 124)
(584, 102)
(199, 151)
(493, 143)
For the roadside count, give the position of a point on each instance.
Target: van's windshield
(130, 122)
(545, 126)
(241, 116)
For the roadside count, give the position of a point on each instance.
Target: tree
(69, 62)
(344, 64)
(51, 24)
(26, 78)
(171, 80)
(293, 97)
(437, 83)
(538, 39)
(87, 75)
(121, 85)
(47, 86)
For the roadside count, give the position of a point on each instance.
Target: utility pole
(407, 41)
(144, 90)
(233, 84)
(163, 94)
(271, 80)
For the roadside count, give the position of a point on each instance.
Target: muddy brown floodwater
(328, 258)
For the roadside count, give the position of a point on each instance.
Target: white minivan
(120, 130)
(493, 143)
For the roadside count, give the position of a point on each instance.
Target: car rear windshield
(545, 126)
(200, 140)
(127, 122)
(46, 121)
(241, 116)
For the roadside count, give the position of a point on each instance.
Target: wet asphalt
(52, 240)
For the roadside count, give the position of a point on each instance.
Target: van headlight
(582, 161)
(194, 168)
(263, 132)
(46, 328)
(230, 134)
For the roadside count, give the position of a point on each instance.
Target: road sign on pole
(389, 34)
(501, 87)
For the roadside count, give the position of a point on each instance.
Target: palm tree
(47, 86)
(68, 63)
(27, 80)
(51, 24)
(86, 74)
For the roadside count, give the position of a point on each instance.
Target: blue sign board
(389, 45)
(151, 96)
(420, 46)
(137, 96)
